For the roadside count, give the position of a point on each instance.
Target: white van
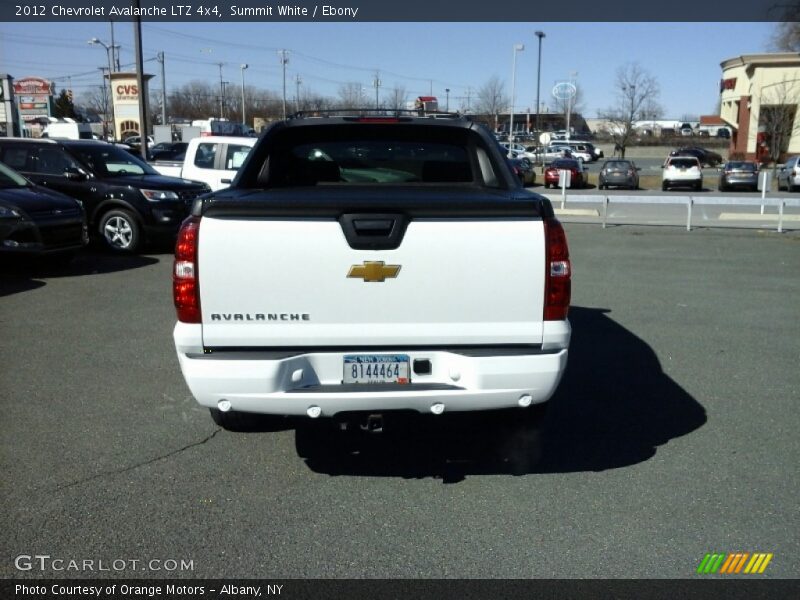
(69, 130)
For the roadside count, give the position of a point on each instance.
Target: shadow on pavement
(21, 274)
(614, 407)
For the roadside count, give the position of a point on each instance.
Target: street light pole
(243, 66)
(97, 42)
(517, 48)
(540, 35)
(447, 96)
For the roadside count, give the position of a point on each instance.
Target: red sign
(32, 85)
(727, 84)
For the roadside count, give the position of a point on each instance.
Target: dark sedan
(706, 157)
(523, 169)
(619, 173)
(35, 220)
(738, 175)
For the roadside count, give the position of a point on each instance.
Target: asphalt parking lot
(673, 434)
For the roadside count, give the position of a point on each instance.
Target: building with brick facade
(758, 92)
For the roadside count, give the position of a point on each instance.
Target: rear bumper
(291, 385)
(622, 180)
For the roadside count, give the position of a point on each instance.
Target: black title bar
(230, 11)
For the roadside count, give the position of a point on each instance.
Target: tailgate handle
(374, 231)
(373, 226)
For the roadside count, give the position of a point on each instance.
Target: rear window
(683, 163)
(742, 166)
(564, 164)
(376, 155)
(618, 164)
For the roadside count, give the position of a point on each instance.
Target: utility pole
(297, 82)
(469, 93)
(284, 60)
(104, 91)
(114, 56)
(377, 83)
(221, 93)
(163, 90)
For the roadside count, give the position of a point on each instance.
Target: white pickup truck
(214, 160)
(364, 265)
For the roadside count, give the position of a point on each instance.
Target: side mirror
(74, 174)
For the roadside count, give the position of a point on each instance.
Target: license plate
(376, 368)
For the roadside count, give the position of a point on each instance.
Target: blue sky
(684, 57)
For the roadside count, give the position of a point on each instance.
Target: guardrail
(688, 201)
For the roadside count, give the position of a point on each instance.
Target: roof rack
(375, 112)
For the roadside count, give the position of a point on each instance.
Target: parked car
(523, 169)
(738, 175)
(686, 129)
(578, 177)
(682, 171)
(578, 149)
(706, 157)
(38, 221)
(789, 175)
(169, 151)
(548, 154)
(135, 140)
(596, 152)
(125, 199)
(619, 173)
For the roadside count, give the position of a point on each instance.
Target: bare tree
(397, 98)
(786, 37)
(636, 99)
(351, 95)
(95, 99)
(194, 100)
(777, 118)
(491, 99)
(316, 102)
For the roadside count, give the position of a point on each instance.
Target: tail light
(558, 272)
(185, 284)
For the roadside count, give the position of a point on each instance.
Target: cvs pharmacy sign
(126, 91)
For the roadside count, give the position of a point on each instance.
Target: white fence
(687, 201)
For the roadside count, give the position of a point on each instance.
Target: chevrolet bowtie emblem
(374, 270)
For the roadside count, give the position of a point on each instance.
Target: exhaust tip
(314, 411)
(437, 408)
(224, 405)
(525, 400)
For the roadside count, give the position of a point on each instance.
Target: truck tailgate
(283, 282)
